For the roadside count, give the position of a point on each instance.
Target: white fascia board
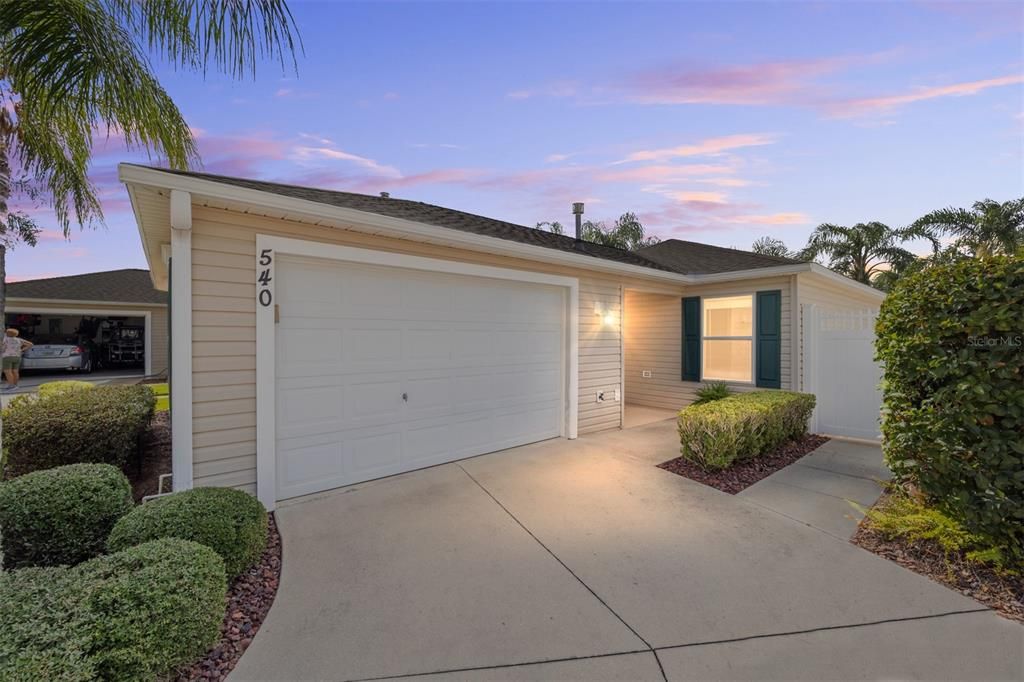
(756, 273)
(386, 225)
(21, 302)
(843, 281)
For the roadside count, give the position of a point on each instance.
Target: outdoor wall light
(607, 316)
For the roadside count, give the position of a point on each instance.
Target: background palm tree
(74, 70)
(772, 246)
(861, 252)
(627, 232)
(988, 227)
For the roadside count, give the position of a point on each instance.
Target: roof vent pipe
(577, 210)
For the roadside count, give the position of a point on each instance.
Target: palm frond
(230, 34)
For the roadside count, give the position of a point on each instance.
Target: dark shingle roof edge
(128, 285)
(670, 256)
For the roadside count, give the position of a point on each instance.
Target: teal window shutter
(769, 339)
(691, 338)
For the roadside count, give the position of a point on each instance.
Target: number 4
(264, 278)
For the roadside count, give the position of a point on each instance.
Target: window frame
(752, 338)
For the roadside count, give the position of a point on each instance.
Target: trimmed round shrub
(62, 515)
(133, 615)
(951, 339)
(231, 522)
(101, 425)
(52, 388)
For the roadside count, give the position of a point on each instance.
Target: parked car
(67, 356)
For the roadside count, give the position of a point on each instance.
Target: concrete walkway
(818, 489)
(581, 560)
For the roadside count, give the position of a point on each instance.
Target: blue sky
(715, 122)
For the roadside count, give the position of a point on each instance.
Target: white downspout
(181, 339)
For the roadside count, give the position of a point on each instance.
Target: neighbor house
(122, 308)
(324, 338)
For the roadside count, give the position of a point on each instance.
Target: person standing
(13, 347)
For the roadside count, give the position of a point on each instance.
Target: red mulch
(745, 474)
(153, 458)
(1002, 593)
(249, 600)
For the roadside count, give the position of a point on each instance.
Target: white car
(66, 356)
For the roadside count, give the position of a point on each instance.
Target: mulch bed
(249, 600)
(1002, 593)
(153, 458)
(745, 474)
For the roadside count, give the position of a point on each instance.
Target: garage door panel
(480, 362)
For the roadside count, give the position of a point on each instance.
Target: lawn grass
(163, 396)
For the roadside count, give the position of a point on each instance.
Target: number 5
(266, 257)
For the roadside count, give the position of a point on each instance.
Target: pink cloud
(712, 146)
(793, 218)
(330, 153)
(661, 173)
(865, 105)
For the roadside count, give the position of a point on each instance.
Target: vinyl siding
(224, 334)
(653, 341)
(819, 291)
(158, 320)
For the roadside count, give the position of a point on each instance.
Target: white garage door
(382, 370)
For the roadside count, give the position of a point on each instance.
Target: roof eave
(375, 223)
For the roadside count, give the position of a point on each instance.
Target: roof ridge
(391, 199)
(727, 248)
(80, 274)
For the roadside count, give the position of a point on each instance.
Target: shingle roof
(672, 255)
(112, 286)
(694, 258)
(433, 215)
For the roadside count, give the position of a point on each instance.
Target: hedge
(716, 434)
(231, 522)
(98, 425)
(134, 615)
(951, 340)
(62, 515)
(52, 388)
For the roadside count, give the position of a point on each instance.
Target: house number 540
(264, 295)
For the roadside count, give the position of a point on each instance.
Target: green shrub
(716, 434)
(907, 517)
(61, 516)
(52, 388)
(231, 522)
(133, 615)
(716, 390)
(99, 425)
(949, 338)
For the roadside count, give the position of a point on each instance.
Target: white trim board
(362, 221)
(147, 315)
(266, 380)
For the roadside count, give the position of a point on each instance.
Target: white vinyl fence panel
(838, 348)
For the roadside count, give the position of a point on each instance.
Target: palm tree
(988, 227)
(861, 252)
(72, 69)
(627, 232)
(771, 246)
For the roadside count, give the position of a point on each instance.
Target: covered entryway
(381, 370)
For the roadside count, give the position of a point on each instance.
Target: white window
(727, 343)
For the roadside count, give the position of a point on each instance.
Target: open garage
(112, 321)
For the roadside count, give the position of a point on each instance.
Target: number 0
(265, 297)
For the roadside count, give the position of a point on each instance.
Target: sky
(713, 122)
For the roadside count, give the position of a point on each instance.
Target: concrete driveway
(583, 561)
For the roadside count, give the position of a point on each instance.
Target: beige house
(120, 303)
(325, 338)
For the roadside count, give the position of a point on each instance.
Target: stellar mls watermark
(1007, 340)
